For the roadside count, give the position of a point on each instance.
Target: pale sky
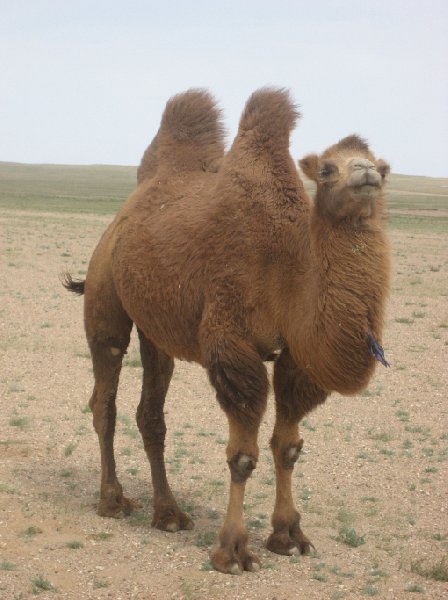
(86, 81)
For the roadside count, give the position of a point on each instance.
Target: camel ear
(382, 167)
(310, 166)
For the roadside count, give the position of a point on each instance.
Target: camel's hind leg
(157, 372)
(295, 396)
(108, 332)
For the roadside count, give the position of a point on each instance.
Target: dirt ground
(371, 486)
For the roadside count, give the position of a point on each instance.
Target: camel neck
(340, 301)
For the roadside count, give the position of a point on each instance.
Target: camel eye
(327, 169)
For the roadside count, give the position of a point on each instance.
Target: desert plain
(371, 484)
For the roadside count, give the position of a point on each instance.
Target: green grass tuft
(348, 536)
(41, 585)
(75, 545)
(437, 571)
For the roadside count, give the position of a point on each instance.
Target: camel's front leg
(240, 379)
(231, 555)
(295, 395)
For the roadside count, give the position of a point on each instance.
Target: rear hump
(191, 134)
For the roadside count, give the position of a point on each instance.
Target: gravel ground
(371, 485)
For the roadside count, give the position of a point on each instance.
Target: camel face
(349, 179)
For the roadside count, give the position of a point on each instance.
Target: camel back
(190, 137)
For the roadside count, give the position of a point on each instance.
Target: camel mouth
(366, 189)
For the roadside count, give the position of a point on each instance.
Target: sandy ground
(374, 471)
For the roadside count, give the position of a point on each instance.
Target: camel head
(349, 179)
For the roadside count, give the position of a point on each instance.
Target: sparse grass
(206, 566)
(75, 545)
(32, 531)
(438, 571)
(134, 363)
(86, 409)
(7, 489)
(307, 425)
(369, 590)
(415, 588)
(380, 436)
(363, 455)
(403, 415)
(256, 523)
(305, 495)
(348, 536)
(20, 422)
(418, 429)
(387, 452)
(41, 585)
(439, 537)
(404, 320)
(345, 516)
(372, 392)
(337, 571)
(205, 539)
(69, 449)
(5, 565)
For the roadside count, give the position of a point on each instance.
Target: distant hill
(415, 202)
(97, 189)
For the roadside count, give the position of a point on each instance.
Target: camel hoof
(172, 520)
(116, 507)
(233, 557)
(289, 545)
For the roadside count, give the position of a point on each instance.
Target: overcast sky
(85, 81)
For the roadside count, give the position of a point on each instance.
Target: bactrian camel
(224, 260)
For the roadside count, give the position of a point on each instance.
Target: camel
(225, 260)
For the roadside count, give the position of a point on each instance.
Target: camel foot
(114, 504)
(288, 539)
(171, 518)
(233, 557)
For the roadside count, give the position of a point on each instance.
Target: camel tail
(191, 134)
(270, 114)
(73, 285)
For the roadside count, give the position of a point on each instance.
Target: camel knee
(241, 466)
(288, 454)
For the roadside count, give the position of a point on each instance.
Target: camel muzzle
(363, 174)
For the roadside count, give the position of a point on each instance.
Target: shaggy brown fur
(224, 268)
